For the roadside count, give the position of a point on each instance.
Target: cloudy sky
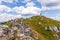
(11, 9)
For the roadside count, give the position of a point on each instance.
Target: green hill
(40, 25)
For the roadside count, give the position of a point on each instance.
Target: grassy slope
(7, 23)
(38, 24)
(39, 28)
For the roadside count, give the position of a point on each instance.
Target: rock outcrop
(18, 31)
(54, 29)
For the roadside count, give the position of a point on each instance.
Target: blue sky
(12, 9)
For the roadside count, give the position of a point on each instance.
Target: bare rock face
(54, 28)
(18, 31)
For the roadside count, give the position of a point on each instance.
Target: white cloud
(8, 1)
(4, 14)
(16, 0)
(5, 17)
(21, 10)
(25, 1)
(18, 9)
(50, 4)
(45, 2)
(56, 17)
(4, 8)
(44, 8)
(29, 9)
(30, 4)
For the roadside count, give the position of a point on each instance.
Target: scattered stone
(54, 28)
(46, 28)
(40, 23)
(18, 31)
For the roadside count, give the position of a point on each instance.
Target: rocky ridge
(18, 31)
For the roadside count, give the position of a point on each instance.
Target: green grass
(7, 23)
(33, 23)
(45, 22)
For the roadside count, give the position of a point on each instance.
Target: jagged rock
(54, 28)
(57, 36)
(20, 30)
(21, 35)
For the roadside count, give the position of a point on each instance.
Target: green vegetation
(38, 24)
(7, 23)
